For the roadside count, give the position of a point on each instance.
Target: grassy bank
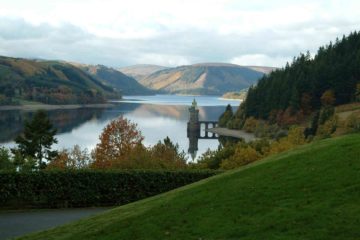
(312, 192)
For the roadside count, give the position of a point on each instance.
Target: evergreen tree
(226, 116)
(5, 159)
(300, 86)
(36, 140)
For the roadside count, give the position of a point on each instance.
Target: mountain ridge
(49, 82)
(139, 71)
(127, 85)
(202, 78)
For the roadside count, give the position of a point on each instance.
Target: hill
(311, 192)
(298, 88)
(202, 79)
(141, 71)
(50, 82)
(266, 70)
(114, 78)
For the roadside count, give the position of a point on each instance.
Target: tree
(226, 116)
(36, 140)
(306, 103)
(167, 155)
(328, 98)
(118, 139)
(74, 158)
(357, 94)
(5, 159)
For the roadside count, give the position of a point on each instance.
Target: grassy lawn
(312, 192)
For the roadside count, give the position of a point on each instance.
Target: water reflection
(83, 126)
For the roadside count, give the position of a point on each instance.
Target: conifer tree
(226, 116)
(36, 140)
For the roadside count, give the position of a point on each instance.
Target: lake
(157, 117)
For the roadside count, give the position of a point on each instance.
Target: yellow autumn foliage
(243, 155)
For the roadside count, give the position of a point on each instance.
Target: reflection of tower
(193, 129)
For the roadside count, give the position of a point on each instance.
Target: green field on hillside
(312, 192)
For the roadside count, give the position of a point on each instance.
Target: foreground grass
(312, 192)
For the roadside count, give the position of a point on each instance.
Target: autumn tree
(118, 139)
(74, 158)
(328, 98)
(327, 110)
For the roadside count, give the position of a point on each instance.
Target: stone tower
(193, 129)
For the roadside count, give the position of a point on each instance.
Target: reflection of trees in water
(11, 124)
(64, 120)
(210, 113)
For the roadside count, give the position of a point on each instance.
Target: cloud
(260, 60)
(177, 32)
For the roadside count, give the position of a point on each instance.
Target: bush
(353, 122)
(5, 160)
(243, 155)
(329, 127)
(52, 189)
(250, 124)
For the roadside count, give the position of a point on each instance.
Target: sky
(120, 33)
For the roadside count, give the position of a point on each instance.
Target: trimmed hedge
(55, 189)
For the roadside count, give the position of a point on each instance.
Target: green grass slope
(312, 192)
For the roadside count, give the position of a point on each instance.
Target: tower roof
(194, 103)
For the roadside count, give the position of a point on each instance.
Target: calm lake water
(157, 117)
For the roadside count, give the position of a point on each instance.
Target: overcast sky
(172, 32)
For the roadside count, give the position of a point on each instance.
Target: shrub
(329, 127)
(243, 155)
(250, 125)
(352, 122)
(51, 189)
(212, 159)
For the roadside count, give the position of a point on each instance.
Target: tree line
(120, 147)
(289, 94)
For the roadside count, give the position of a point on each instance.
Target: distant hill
(266, 70)
(141, 71)
(114, 78)
(203, 79)
(50, 82)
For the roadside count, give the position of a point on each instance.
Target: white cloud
(260, 60)
(172, 32)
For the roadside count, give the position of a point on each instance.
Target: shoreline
(34, 107)
(232, 99)
(233, 133)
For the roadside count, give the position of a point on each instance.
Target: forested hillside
(49, 82)
(300, 88)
